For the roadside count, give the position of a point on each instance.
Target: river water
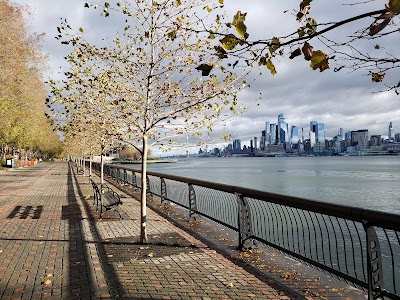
(367, 182)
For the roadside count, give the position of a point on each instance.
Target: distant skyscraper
(272, 134)
(313, 126)
(312, 139)
(360, 139)
(237, 148)
(283, 130)
(320, 133)
(294, 135)
(267, 133)
(262, 140)
(391, 131)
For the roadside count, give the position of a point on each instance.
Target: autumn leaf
(394, 6)
(295, 53)
(221, 53)
(307, 51)
(229, 42)
(205, 69)
(377, 77)
(271, 67)
(376, 28)
(274, 45)
(319, 60)
(238, 22)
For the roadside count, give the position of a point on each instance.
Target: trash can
(10, 163)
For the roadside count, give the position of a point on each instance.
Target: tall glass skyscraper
(294, 134)
(319, 130)
(320, 134)
(237, 148)
(283, 130)
(391, 131)
(272, 134)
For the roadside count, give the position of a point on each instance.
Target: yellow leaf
(229, 42)
(395, 6)
(275, 44)
(319, 60)
(271, 67)
(230, 284)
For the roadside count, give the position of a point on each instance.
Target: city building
(294, 135)
(237, 148)
(360, 139)
(283, 130)
(391, 131)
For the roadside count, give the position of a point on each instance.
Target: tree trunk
(101, 169)
(90, 165)
(143, 213)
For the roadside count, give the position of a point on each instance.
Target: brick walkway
(52, 245)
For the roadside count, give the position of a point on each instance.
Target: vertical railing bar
(278, 206)
(270, 217)
(292, 217)
(274, 216)
(322, 237)
(335, 228)
(362, 252)
(163, 190)
(329, 240)
(192, 200)
(392, 257)
(284, 211)
(309, 233)
(315, 234)
(398, 242)
(344, 247)
(301, 213)
(264, 228)
(352, 247)
(297, 217)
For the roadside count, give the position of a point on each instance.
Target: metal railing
(358, 245)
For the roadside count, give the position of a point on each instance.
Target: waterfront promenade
(52, 246)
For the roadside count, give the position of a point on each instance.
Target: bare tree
(160, 80)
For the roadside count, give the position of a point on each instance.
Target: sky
(347, 100)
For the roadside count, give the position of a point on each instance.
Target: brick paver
(52, 246)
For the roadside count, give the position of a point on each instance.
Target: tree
(368, 49)
(161, 80)
(23, 121)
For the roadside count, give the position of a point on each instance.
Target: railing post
(134, 183)
(163, 189)
(374, 263)
(125, 177)
(244, 221)
(148, 190)
(192, 202)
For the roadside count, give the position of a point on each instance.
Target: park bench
(105, 198)
(79, 170)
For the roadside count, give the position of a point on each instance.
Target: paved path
(52, 246)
